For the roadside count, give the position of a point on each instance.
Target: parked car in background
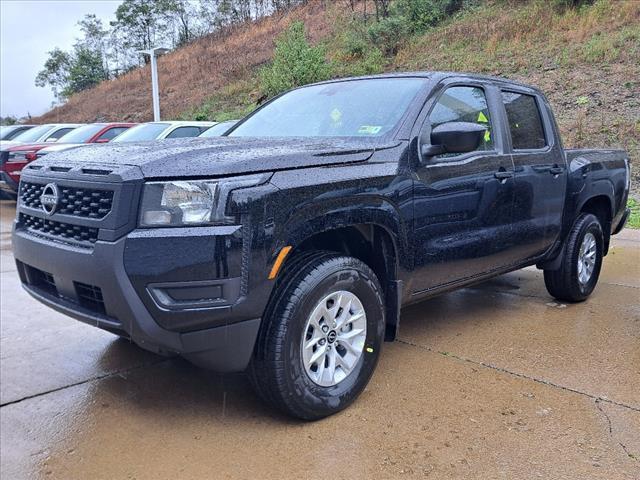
(92, 133)
(50, 132)
(161, 130)
(288, 247)
(9, 132)
(15, 155)
(219, 129)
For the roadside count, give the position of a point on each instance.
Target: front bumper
(137, 286)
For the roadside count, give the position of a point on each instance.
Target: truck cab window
(464, 104)
(525, 122)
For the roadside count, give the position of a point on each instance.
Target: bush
(295, 63)
(355, 42)
(372, 62)
(562, 5)
(389, 33)
(419, 15)
(352, 52)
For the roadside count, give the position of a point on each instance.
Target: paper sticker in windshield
(336, 115)
(369, 129)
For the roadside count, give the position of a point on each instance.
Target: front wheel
(321, 336)
(580, 265)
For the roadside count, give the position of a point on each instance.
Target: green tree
(295, 63)
(140, 24)
(55, 72)
(68, 73)
(182, 18)
(95, 37)
(87, 70)
(8, 120)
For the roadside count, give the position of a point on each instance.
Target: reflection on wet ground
(494, 381)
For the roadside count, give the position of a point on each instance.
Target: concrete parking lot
(494, 381)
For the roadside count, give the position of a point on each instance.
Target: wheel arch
(372, 243)
(601, 207)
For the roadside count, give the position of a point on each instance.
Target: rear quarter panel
(595, 173)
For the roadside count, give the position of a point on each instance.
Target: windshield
(6, 131)
(141, 133)
(358, 108)
(33, 134)
(218, 129)
(81, 134)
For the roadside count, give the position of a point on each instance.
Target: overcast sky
(28, 30)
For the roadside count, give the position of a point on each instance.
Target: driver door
(462, 202)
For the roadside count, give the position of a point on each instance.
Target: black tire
(277, 371)
(563, 283)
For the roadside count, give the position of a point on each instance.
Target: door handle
(556, 170)
(503, 175)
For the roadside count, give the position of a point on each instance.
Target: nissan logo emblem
(49, 198)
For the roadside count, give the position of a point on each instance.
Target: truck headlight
(190, 202)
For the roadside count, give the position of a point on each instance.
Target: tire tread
(562, 283)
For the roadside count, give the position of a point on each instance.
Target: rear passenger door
(540, 172)
(462, 202)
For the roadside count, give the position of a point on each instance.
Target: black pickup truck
(288, 247)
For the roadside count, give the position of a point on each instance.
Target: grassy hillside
(587, 60)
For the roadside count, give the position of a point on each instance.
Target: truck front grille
(64, 231)
(79, 202)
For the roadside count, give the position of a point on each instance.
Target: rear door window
(525, 121)
(112, 133)
(182, 132)
(59, 133)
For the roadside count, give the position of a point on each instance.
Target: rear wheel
(580, 265)
(321, 336)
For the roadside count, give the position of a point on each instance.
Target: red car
(14, 158)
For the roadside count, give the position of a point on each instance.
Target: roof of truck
(435, 75)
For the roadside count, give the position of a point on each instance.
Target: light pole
(153, 53)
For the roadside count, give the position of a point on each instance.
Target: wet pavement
(494, 381)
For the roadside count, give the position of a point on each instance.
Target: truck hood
(202, 157)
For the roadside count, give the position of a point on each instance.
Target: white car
(162, 130)
(50, 132)
(9, 132)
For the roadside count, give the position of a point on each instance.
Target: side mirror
(454, 137)
(102, 140)
(51, 140)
